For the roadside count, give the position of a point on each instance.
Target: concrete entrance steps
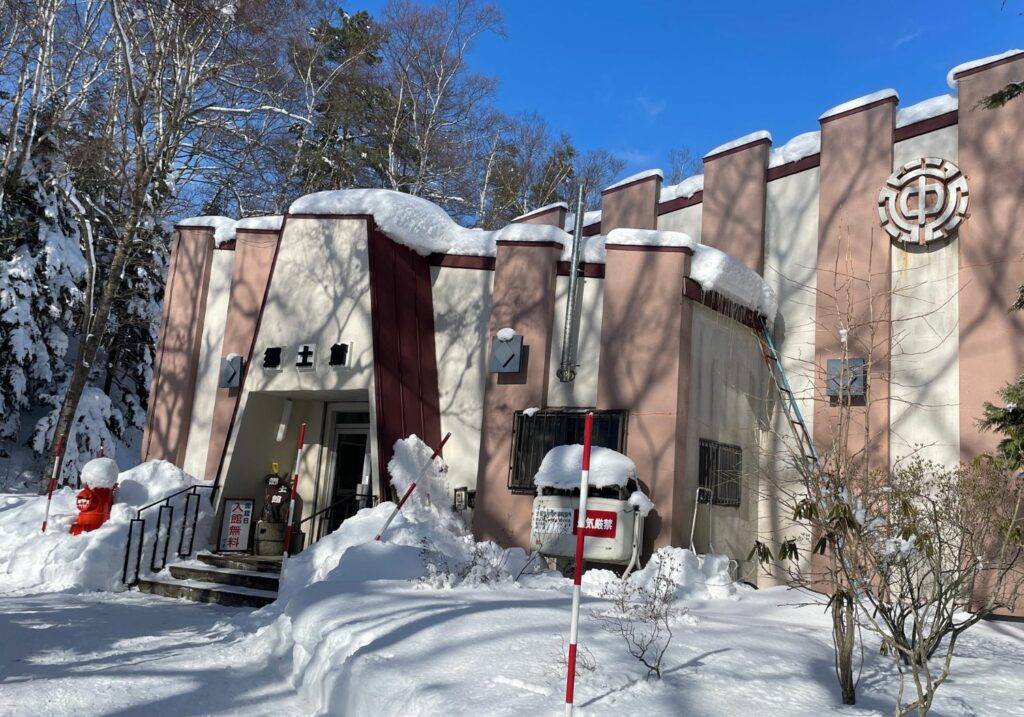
(237, 580)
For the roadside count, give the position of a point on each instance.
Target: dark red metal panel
(405, 365)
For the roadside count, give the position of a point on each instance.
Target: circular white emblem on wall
(923, 200)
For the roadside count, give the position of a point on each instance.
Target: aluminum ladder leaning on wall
(794, 416)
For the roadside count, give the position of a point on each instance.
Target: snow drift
(366, 627)
(57, 561)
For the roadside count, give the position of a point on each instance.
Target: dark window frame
(610, 426)
(720, 470)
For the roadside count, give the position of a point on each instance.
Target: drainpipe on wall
(567, 367)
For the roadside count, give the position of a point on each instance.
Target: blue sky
(643, 77)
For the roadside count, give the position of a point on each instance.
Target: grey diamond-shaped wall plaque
(507, 356)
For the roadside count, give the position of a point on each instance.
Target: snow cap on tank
(100, 473)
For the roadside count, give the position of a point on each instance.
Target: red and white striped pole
(53, 477)
(295, 493)
(412, 486)
(581, 522)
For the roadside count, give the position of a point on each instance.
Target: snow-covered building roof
(803, 145)
(271, 222)
(541, 210)
(859, 102)
(740, 142)
(683, 190)
(635, 178)
(980, 62)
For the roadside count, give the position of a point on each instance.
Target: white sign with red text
(236, 526)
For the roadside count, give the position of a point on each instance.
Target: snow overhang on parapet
(966, 67)
(712, 268)
(427, 229)
(223, 227)
(266, 223)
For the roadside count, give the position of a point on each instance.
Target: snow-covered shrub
(486, 563)
(642, 612)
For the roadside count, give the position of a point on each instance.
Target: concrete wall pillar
(645, 357)
(853, 275)
(551, 215)
(176, 363)
(735, 182)
(991, 156)
(254, 257)
(523, 299)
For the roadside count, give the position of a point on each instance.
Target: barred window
(533, 436)
(720, 473)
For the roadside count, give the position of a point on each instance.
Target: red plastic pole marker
(53, 477)
(295, 493)
(577, 576)
(412, 486)
(100, 453)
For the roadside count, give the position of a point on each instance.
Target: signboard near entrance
(236, 526)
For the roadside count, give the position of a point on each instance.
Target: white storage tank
(615, 506)
(610, 536)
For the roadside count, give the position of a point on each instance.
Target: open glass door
(351, 466)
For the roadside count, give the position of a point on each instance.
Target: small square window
(720, 473)
(536, 434)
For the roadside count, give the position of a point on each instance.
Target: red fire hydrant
(99, 476)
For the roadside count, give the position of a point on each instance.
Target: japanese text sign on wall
(236, 526)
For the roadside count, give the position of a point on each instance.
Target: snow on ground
(428, 622)
(55, 560)
(104, 654)
(394, 647)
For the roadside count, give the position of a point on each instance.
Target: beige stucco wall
(791, 254)
(259, 418)
(462, 309)
(686, 220)
(925, 385)
(208, 370)
(726, 404)
(582, 391)
(320, 294)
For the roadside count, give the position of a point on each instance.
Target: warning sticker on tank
(556, 521)
(600, 523)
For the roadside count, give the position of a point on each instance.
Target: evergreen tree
(41, 269)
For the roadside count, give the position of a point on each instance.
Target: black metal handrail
(164, 505)
(354, 498)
